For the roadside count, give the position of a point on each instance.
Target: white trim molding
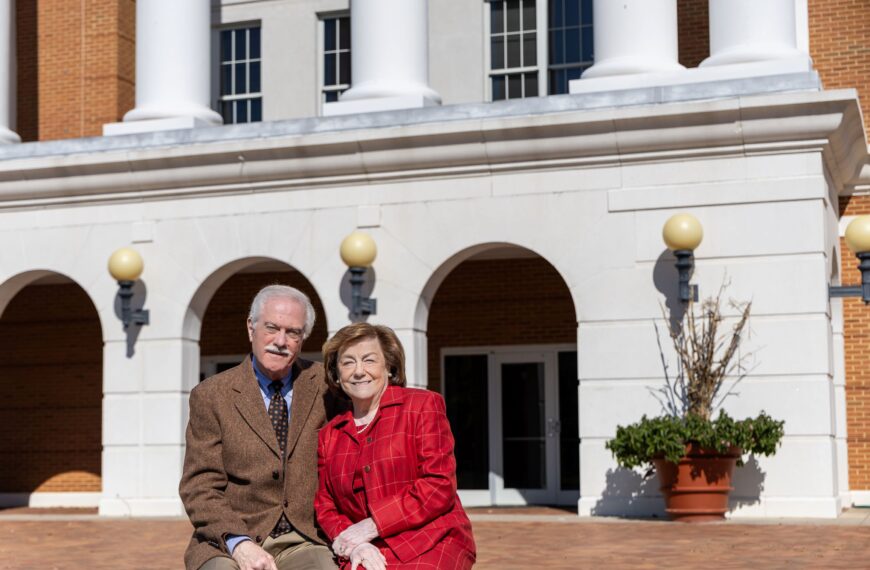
(861, 498)
(46, 500)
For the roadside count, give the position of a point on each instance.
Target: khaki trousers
(290, 551)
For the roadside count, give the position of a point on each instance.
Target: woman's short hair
(394, 354)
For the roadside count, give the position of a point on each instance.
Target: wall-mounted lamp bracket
(685, 264)
(128, 315)
(862, 290)
(360, 306)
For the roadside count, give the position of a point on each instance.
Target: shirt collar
(393, 396)
(265, 382)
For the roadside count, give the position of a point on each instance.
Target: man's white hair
(283, 292)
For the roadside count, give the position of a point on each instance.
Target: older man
(250, 470)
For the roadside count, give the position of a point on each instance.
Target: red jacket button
(367, 468)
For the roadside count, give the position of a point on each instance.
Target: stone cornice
(827, 122)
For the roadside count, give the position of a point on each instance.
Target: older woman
(387, 490)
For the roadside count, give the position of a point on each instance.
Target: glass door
(524, 429)
(513, 413)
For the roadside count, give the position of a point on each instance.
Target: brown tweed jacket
(233, 481)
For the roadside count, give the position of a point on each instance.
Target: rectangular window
(570, 42)
(513, 49)
(241, 98)
(522, 32)
(336, 57)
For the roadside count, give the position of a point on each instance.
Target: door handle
(554, 427)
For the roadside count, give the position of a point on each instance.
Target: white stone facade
(584, 182)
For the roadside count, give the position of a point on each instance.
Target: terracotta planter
(696, 489)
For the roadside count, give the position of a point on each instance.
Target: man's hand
(353, 536)
(369, 556)
(249, 556)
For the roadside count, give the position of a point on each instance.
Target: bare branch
(708, 353)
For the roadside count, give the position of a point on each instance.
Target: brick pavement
(506, 539)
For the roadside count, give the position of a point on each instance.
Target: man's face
(276, 337)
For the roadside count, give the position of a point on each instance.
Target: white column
(146, 385)
(634, 36)
(7, 73)
(172, 67)
(416, 362)
(838, 349)
(748, 31)
(389, 57)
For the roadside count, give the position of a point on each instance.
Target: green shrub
(638, 444)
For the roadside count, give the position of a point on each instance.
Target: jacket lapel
(389, 406)
(305, 392)
(249, 403)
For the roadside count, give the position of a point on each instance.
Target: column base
(708, 74)
(377, 104)
(755, 54)
(154, 125)
(632, 66)
(8, 136)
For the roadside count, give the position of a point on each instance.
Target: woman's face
(362, 369)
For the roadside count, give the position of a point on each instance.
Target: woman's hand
(369, 556)
(356, 534)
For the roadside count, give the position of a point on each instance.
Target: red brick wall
(694, 31)
(496, 303)
(76, 61)
(840, 45)
(51, 354)
(223, 326)
(840, 48)
(856, 332)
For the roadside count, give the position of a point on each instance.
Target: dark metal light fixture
(683, 234)
(358, 251)
(126, 266)
(858, 240)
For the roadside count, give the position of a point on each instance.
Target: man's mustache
(272, 349)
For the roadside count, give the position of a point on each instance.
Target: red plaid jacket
(406, 475)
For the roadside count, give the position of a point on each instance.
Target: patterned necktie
(278, 414)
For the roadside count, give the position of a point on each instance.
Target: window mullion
(543, 42)
(248, 65)
(232, 60)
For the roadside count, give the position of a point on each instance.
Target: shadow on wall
(748, 484)
(629, 493)
(666, 281)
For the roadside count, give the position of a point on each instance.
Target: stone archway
(223, 339)
(501, 338)
(51, 361)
